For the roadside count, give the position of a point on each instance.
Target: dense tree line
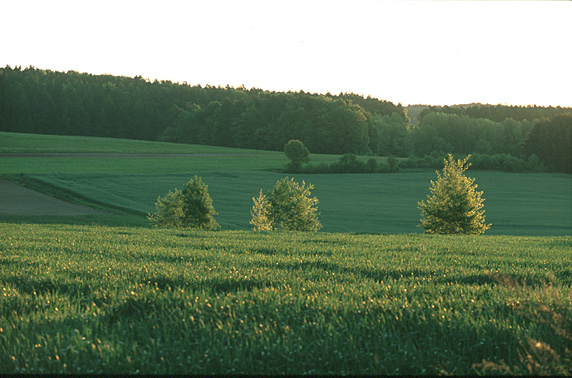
(497, 113)
(269, 120)
(47, 102)
(551, 141)
(462, 134)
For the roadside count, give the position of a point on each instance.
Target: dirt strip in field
(18, 200)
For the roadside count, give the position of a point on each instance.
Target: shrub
(349, 163)
(169, 210)
(192, 207)
(454, 206)
(298, 154)
(393, 163)
(261, 213)
(372, 165)
(291, 207)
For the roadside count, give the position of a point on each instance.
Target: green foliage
(72, 103)
(454, 206)
(349, 163)
(260, 213)
(551, 142)
(84, 300)
(394, 138)
(452, 133)
(190, 208)
(298, 154)
(498, 113)
(169, 210)
(292, 208)
(393, 164)
(198, 210)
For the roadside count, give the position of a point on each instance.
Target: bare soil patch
(18, 200)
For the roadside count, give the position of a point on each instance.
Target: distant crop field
(516, 204)
(95, 299)
(36, 143)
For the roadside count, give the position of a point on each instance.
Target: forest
(41, 101)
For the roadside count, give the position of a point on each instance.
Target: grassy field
(97, 299)
(79, 296)
(36, 143)
(516, 204)
(377, 203)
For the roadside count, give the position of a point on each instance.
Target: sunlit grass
(78, 299)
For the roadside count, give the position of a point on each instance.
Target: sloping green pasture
(516, 204)
(96, 299)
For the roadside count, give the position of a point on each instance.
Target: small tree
(192, 207)
(260, 213)
(298, 154)
(454, 206)
(198, 210)
(169, 210)
(291, 207)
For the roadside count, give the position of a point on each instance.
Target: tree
(169, 210)
(260, 213)
(454, 206)
(551, 141)
(198, 210)
(190, 208)
(292, 208)
(298, 154)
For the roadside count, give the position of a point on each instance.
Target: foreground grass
(78, 299)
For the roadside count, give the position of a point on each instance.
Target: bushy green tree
(198, 210)
(169, 210)
(298, 154)
(190, 208)
(291, 207)
(260, 213)
(454, 206)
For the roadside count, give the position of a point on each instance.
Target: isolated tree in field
(298, 154)
(292, 208)
(169, 210)
(198, 210)
(260, 213)
(192, 207)
(454, 206)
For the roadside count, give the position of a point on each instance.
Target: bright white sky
(440, 53)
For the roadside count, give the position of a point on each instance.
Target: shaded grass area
(127, 187)
(79, 299)
(138, 164)
(516, 204)
(37, 143)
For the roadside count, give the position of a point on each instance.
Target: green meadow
(127, 186)
(370, 294)
(101, 300)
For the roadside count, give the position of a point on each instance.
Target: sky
(409, 52)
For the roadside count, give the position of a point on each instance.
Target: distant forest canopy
(497, 113)
(46, 102)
